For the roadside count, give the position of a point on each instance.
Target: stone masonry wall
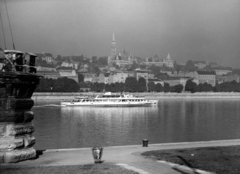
(16, 128)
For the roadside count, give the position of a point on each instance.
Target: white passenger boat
(110, 99)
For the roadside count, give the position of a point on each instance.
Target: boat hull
(109, 104)
(109, 99)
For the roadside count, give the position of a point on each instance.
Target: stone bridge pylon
(18, 80)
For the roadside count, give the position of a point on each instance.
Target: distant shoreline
(208, 95)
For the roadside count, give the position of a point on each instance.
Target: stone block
(16, 116)
(19, 155)
(2, 129)
(22, 104)
(12, 103)
(29, 140)
(12, 116)
(19, 129)
(10, 143)
(28, 116)
(1, 157)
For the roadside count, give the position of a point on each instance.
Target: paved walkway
(126, 156)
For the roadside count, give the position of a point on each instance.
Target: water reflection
(170, 121)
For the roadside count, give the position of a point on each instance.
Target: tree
(65, 85)
(58, 85)
(98, 87)
(80, 78)
(94, 59)
(159, 87)
(59, 58)
(191, 86)
(45, 85)
(166, 87)
(177, 88)
(119, 87)
(131, 84)
(205, 87)
(142, 85)
(143, 66)
(134, 66)
(190, 66)
(116, 66)
(102, 61)
(155, 69)
(108, 87)
(151, 87)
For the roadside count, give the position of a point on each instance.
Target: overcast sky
(186, 29)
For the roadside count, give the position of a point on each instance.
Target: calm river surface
(179, 120)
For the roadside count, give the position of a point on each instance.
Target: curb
(218, 142)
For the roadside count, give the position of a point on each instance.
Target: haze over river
(173, 120)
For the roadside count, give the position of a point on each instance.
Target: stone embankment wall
(159, 96)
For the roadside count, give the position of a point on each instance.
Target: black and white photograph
(120, 86)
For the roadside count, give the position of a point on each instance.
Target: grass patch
(220, 160)
(83, 169)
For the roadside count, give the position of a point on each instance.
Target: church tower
(113, 48)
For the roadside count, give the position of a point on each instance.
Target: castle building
(168, 62)
(122, 60)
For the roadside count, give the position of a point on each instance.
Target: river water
(179, 120)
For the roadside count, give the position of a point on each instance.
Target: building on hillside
(70, 64)
(45, 68)
(206, 77)
(68, 72)
(230, 78)
(169, 73)
(221, 72)
(48, 57)
(49, 74)
(138, 73)
(103, 67)
(151, 76)
(103, 78)
(90, 78)
(168, 62)
(200, 64)
(41, 56)
(119, 77)
(84, 68)
(156, 81)
(172, 81)
(186, 74)
(183, 74)
(213, 64)
(148, 63)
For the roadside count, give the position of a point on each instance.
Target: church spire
(113, 47)
(113, 37)
(168, 57)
